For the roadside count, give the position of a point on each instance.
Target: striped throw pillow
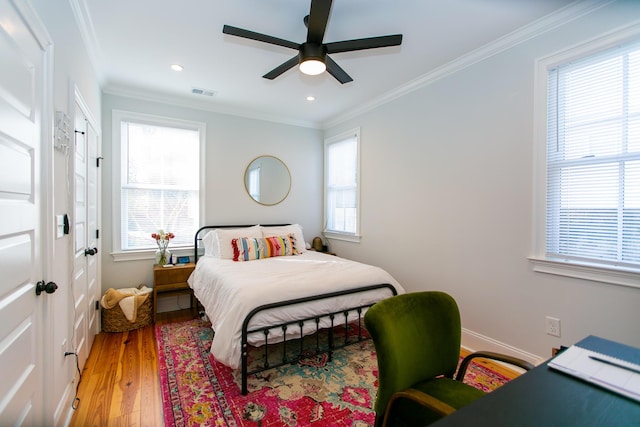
(250, 248)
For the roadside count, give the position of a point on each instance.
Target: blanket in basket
(129, 300)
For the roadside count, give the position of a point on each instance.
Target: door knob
(90, 251)
(49, 287)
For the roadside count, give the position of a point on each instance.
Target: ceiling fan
(312, 55)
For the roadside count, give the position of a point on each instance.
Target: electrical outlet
(553, 326)
(64, 346)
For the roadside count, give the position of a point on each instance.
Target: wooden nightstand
(172, 281)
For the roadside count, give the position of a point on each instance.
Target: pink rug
(199, 391)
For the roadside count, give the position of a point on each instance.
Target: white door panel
(21, 258)
(93, 222)
(80, 278)
(85, 224)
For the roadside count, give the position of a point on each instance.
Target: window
(253, 179)
(342, 193)
(158, 182)
(593, 160)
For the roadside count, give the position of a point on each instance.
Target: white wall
(71, 64)
(447, 200)
(447, 191)
(231, 144)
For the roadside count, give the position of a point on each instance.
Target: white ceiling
(133, 43)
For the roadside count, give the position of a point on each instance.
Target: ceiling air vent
(203, 92)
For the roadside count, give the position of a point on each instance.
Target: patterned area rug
(199, 391)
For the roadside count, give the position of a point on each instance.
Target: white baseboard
(473, 341)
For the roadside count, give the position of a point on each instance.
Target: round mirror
(267, 180)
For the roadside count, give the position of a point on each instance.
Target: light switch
(59, 226)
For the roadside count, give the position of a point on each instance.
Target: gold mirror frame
(267, 180)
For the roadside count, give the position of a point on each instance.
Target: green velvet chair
(417, 339)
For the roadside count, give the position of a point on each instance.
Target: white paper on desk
(576, 361)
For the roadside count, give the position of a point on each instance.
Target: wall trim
(474, 341)
(180, 101)
(550, 22)
(567, 14)
(87, 33)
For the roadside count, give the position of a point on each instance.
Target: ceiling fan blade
(239, 32)
(281, 68)
(318, 18)
(336, 71)
(367, 43)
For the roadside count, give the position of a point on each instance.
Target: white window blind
(254, 183)
(159, 184)
(341, 184)
(593, 159)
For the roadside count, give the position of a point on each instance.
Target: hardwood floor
(120, 387)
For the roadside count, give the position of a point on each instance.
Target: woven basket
(114, 320)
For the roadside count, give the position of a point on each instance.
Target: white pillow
(224, 249)
(283, 230)
(210, 243)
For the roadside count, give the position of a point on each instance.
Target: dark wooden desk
(544, 397)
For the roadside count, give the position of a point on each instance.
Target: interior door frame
(47, 246)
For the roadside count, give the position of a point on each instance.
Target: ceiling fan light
(312, 67)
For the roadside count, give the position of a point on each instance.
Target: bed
(253, 299)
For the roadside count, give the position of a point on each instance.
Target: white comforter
(229, 290)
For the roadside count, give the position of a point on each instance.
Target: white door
(94, 287)
(22, 239)
(86, 289)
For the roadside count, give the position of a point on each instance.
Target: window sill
(597, 273)
(147, 254)
(341, 236)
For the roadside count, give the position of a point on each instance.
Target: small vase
(163, 257)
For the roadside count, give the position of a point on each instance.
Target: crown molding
(88, 34)
(567, 14)
(550, 22)
(179, 101)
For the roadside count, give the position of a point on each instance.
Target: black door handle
(49, 287)
(90, 251)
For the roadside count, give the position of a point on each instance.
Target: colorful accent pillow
(222, 247)
(250, 248)
(283, 230)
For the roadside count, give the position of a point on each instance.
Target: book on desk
(605, 363)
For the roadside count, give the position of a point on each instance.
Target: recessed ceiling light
(311, 98)
(177, 67)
